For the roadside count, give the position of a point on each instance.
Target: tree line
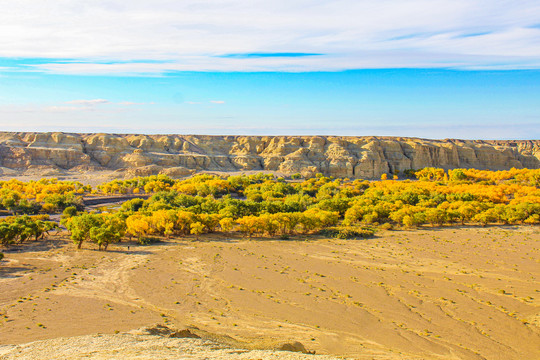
(265, 205)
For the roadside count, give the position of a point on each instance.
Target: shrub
(348, 232)
(148, 240)
(386, 226)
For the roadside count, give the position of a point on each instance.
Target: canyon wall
(178, 155)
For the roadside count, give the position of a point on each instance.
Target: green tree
(80, 227)
(112, 230)
(8, 233)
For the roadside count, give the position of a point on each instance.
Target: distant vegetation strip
(263, 205)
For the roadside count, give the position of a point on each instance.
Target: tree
(533, 219)
(408, 221)
(248, 225)
(430, 174)
(80, 227)
(435, 216)
(467, 210)
(68, 213)
(10, 200)
(288, 221)
(132, 205)
(210, 221)
(226, 224)
(269, 223)
(485, 217)
(8, 233)
(39, 228)
(163, 221)
(184, 219)
(197, 228)
(110, 231)
(138, 225)
(457, 175)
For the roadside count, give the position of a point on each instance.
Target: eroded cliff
(178, 155)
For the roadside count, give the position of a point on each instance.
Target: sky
(423, 68)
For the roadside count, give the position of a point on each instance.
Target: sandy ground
(129, 346)
(452, 293)
(95, 178)
(92, 178)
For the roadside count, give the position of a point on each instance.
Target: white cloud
(217, 101)
(88, 102)
(132, 103)
(63, 108)
(142, 37)
(89, 105)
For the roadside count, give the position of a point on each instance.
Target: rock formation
(179, 155)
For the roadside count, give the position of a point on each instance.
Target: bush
(348, 232)
(148, 240)
(386, 226)
(70, 211)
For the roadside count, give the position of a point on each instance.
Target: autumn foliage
(263, 205)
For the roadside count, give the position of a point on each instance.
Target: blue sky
(436, 69)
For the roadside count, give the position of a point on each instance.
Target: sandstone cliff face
(340, 156)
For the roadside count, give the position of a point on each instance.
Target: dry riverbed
(452, 293)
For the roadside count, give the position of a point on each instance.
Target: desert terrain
(431, 293)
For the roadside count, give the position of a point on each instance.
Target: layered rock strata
(179, 155)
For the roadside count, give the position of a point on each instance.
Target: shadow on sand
(11, 272)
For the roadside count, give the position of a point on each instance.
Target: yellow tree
(248, 225)
(138, 225)
(210, 221)
(269, 223)
(226, 224)
(197, 228)
(163, 221)
(184, 219)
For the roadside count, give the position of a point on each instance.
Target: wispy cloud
(55, 108)
(217, 101)
(83, 105)
(132, 103)
(88, 102)
(118, 37)
(263, 55)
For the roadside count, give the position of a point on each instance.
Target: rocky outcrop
(180, 155)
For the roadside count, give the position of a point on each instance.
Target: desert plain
(430, 293)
